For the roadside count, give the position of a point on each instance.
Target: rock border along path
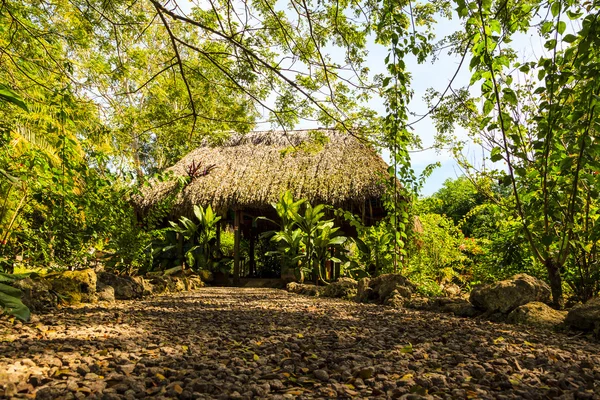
(267, 343)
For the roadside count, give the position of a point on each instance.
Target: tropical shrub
(10, 297)
(191, 243)
(371, 252)
(305, 240)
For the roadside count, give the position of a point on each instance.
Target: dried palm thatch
(251, 172)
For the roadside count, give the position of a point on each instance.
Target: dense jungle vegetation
(97, 97)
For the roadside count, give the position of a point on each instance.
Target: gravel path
(267, 343)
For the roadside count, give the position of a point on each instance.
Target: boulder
(176, 285)
(125, 287)
(457, 306)
(451, 289)
(206, 275)
(343, 288)
(395, 299)
(585, 317)
(147, 287)
(194, 282)
(505, 296)
(536, 314)
(307, 290)
(390, 288)
(160, 284)
(74, 286)
(105, 292)
(419, 303)
(363, 290)
(37, 294)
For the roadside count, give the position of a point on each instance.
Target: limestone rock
(193, 282)
(505, 296)
(536, 314)
(395, 300)
(206, 275)
(390, 288)
(585, 317)
(74, 286)
(451, 289)
(36, 294)
(126, 287)
(105, 292)
(457, 306)
(363, 290)
(160, 284)
(176, 285)
(147, 287)
(307, 290)
(343, 288)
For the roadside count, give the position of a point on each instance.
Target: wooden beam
(252, 264)
(236, 247)
(219, 235)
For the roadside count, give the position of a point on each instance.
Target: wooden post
(219, 235)
(236, 247)
(252, 263)
(180, 248)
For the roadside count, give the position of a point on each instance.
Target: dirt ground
(238, 343)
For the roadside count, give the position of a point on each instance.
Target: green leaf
(488, 106)
(510, 96)
(10, 301)
(547, 240)
(570, 38)
(496, 154)
(408, 349)
(561, 27)
(555, 9)
(8, 95)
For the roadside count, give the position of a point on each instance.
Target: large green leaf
(8, 95)
(4, 277)
(10, 301)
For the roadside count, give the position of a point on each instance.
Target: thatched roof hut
(251, 172)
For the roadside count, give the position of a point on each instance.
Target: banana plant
(197, 235)
(327, 238)
(288, 236)
(288, 249)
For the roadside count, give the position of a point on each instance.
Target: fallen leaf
(407, 349)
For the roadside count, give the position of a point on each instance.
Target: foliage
(305, 239)
(10, 297)
(502, 250)
(455, 199)
(372, 253)
(194, 240)
(439, 253)
(540, 126)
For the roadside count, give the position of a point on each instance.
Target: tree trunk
(555, 278)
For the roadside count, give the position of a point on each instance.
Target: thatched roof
(251, 172)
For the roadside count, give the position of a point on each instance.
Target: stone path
(267, 343)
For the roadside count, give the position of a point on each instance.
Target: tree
(541, 126)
